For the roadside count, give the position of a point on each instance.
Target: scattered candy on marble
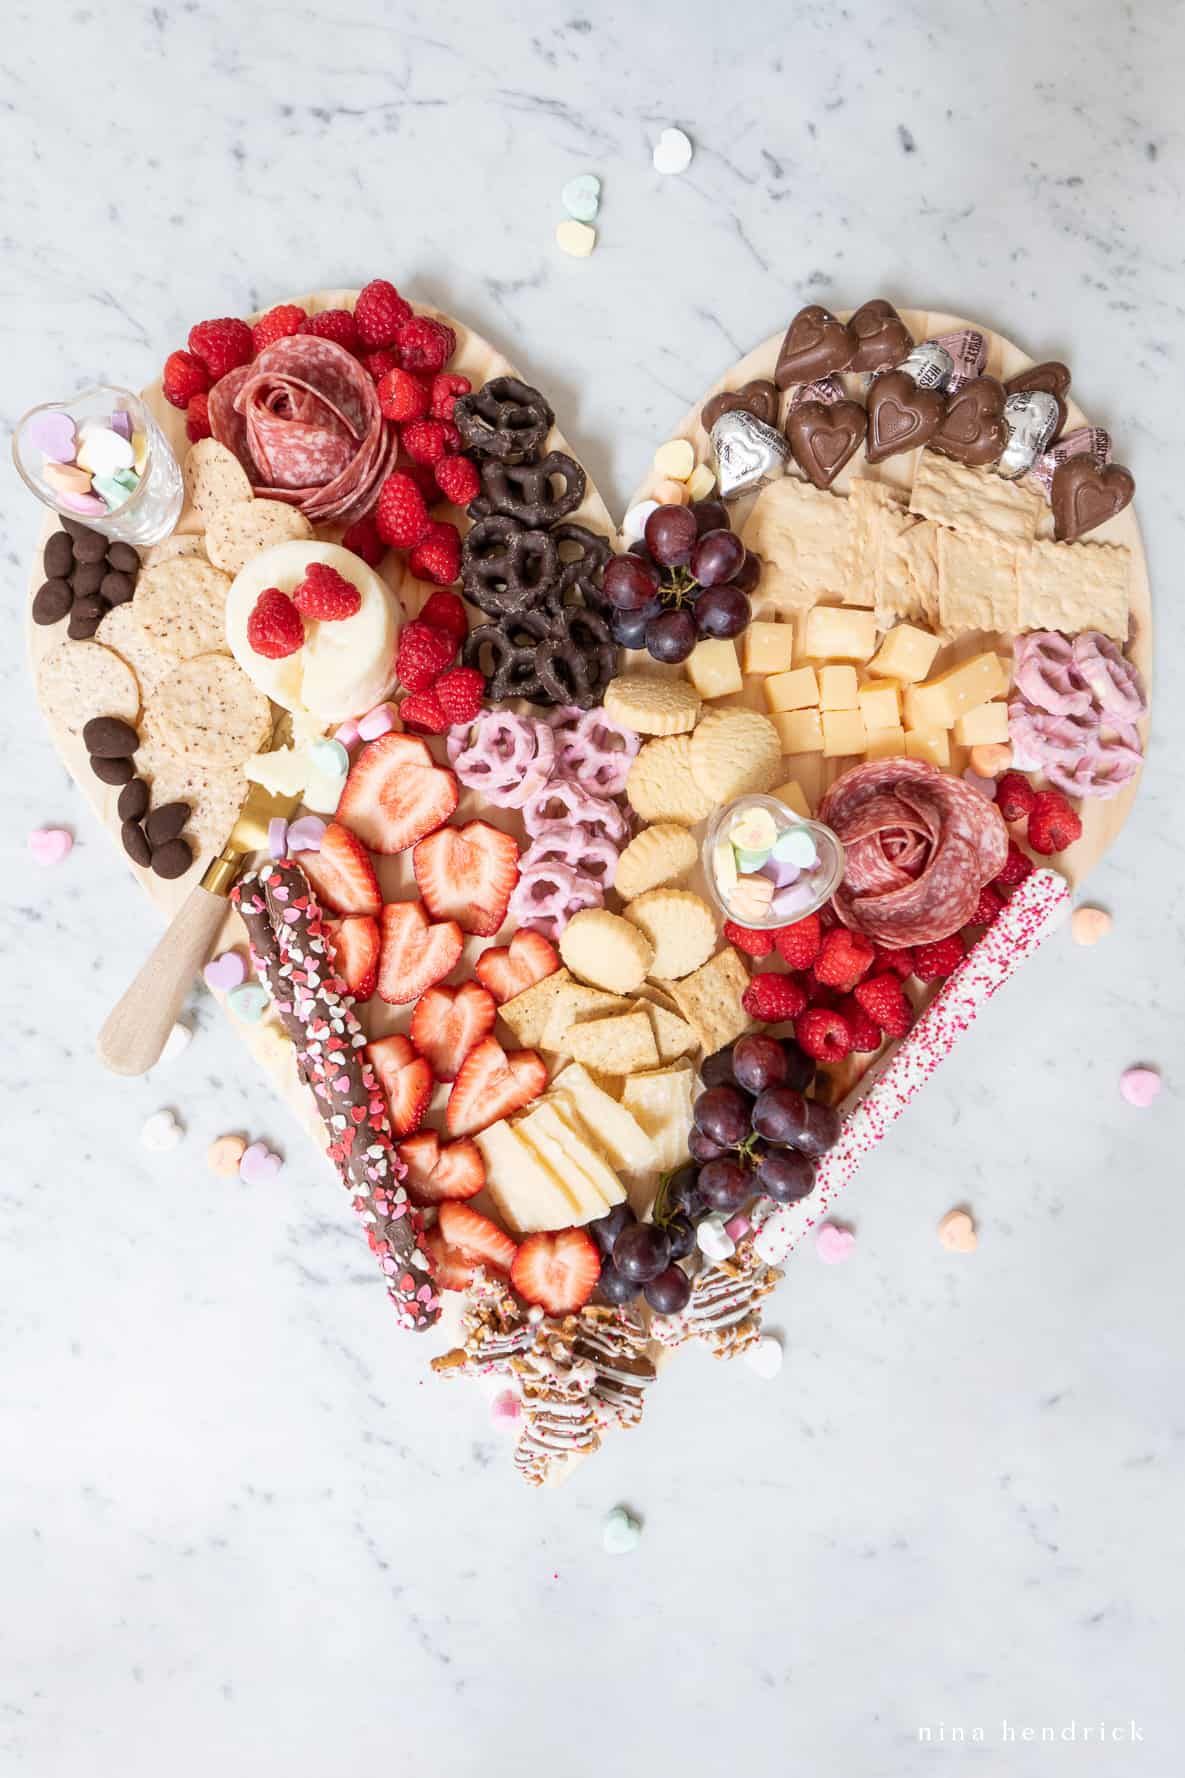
(765, 1357)
(834, 1244)
(581, 197)
(1089, 924)
(50, 845)
(957, 1232)
(506, 1408)
(91, 469)
(225, 971)
(576, 239)
(224, 1154)
(258, 1165)
(712, 1237)
(672, 152)
(277, 837)
(161, 1132)
(305, 834)
(620, 1533)
(376, 722)
(248, 1002)
(1140, 1086)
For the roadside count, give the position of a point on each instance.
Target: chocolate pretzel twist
(506, 569)
(286, 931)
(524, 491)
(504, 419)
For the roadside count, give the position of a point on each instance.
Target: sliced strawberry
(448, 1022)
(414, 955)
(341, 873)
(354, 946)
(396, 793)
(491, 1084)
(451, 1269)
(405, 1078)
(507, 970)
(435, 1173)
(558, 1270)
(476, 1236)
(467, 873)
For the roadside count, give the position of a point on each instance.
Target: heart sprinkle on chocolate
(760, 398)
(900, 415)
(1084, 496)
(973, 430)
(882, 338)
(823, 438)
(815, 345)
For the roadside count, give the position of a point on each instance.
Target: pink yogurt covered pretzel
(507, 758)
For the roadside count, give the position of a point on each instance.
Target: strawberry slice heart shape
(491, 1084)
(414, 952)
(467, 874)
(396, 793)
(438, 1170)
(448, 1022)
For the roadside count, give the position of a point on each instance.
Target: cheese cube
(880, 705)
(985, 726)
(885, 743)
(939, 702)
(768, 648)
(799, 731)
(906, 653)
(838, 633)
(713, 668)
(792, 691)
(929, 744)
(792, 794)
(837, 688)
(843, 733)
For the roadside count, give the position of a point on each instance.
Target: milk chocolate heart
(761, 399)
(1052, 376)
(815, 345)
(900, 415)
(973, 430)
(823, 438)
(882, 338)
(1083, 496)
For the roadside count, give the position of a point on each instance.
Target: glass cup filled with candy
(101, 458)
(767, 866)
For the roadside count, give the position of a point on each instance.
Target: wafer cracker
(236, 534)
(572, 1005)
(606, 951)
(120, 631)
(876, 516)
(658, 855)
(207, 710)
(214, 478)
(680, 926)
(710, 1000)
(661, 785)
(650, 705)
(527, 1013)
(618, 1045)
(801, 534)
(735, 752)
(1075, 586)
(180, 606)
(910, 592)
(973, 500)
(977, 583)
(78, 680)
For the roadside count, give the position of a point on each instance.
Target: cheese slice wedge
(523, 1189)
(605, 1123)
(557, 1144)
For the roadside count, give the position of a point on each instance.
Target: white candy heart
(672, 152)
(160, 1132)
(713, 1239)
(765, 1357)
(179, 1039)
(103, 452)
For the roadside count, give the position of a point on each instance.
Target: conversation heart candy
(780, 872)
(957, 1233)
(67, 478)
(139, 452)
(277, 837)
(1140, 1086)
(114, 493)
(620, 1533)
(750, 862)
(506, 1408)
(581, 197)
(576, 239)
(103, 452)
(329, 758)
(258, 1164)
(376, 722)
(121, 422)
(634, 522)
(224, 1154)
(160, 1132)
(834, 1244)
(88, 505)
(796, 846)
(765, 1357)
(754, 830)
(672, 152)
(225, 971)
(53, 435)
(248, 1002)
(724, 867)
(305, 835)
(178, 1040)
(712, 1237)
(49, 845)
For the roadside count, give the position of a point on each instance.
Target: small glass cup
(821, 879)
(151, 509)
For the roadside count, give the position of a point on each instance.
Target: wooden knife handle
(137, 1030)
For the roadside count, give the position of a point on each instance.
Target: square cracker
(977, 587)
(1075, 586)
(573, 1003)
(910, 591)
(527, 1013)
(710, 1000)
(616, 1045)
(801, 533)
(974, 500)
(673, 1035)
(876, 516)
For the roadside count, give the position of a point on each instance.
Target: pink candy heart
(225, 972)
(305, 835)
(376, 722)
(49, 845)
(1139, 1086)
(53, 435)
(259, 1165)
(833, 1244)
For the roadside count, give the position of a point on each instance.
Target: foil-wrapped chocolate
(1031, 418)
(1086, 441)
(747, 453)
(828, 390)
(930, 365)
(968, 354)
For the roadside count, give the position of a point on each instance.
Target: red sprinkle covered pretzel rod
(292, 959)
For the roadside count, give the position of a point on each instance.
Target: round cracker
(680, 926)
(207, 710)
(120, 630)
(735, 753)
(235, 534)
(657, 855)
(661, 785)
(78, 680)
(180, 606)
(214, 797)
(650, 705)
(187, 543)
(214, 478)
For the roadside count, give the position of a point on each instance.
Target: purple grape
(670, 535)
(748, 574)
(709, 515)
(723, 1114)
(800, 1070)
(614, 1287)
(606, 1229)
(785, 1175)
(669, 1292)
(628, 628)
(722, 611)
(629, 582)
(702, 1148)
(681, 1185)
(780, 1115)
(641, 1252)
(759, 1062)
(725, 1185)
(821, 1129)
(716, 557)
(681, 1235)
(638, 548)
(717, 1068)
(672, 635)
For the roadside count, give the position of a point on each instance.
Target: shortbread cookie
(652, 706)
(181, 607)
(236, 534)
(661, 785)
(606, 950)
(78, 680)
(657, 855)
(207, 710)
(679, 925)
(734, 753)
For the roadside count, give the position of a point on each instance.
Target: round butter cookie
(606, 951)
(735, 753)
(652, 706)
(657, 855)
(661, 785)
(679, 925)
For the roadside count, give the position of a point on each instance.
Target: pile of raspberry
(438, 693)
(406, 354)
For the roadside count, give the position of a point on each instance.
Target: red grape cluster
(689, 577)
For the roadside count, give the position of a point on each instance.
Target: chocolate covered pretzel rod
(292, 959)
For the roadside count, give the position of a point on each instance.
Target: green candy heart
(248, 1002)
(581, 197)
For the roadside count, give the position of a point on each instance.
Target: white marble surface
(239, 1529)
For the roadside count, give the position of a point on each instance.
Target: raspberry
(424, 653)
(773, 997)
(274, 628)
(900, 960)
(425, 344)
(747, 939)
(363, 538)
(183, 377)
(381, 363)
(197, 418)
(1053, 825)
(437, 556)
(326, 595)
(817, 992)
(844, 959)
(423, 440)
(459, 693)
(423, 713)
(403, 396)
(1014, 796)
(446, 611)
(934, 962)
(446, 386)
(823, 1034)
(987, 908)
(337, 325)
(1017, 866)
(452, 437)
(277, 324)
(221, 345)
(424, 477)
(401, 516)
(380, 312)
(865, 1032)
(883, 999)
(798, 945)
(458, 480)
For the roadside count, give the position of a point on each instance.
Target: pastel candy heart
(581, 197)
(139, 452)
(127, 478)
(765, 1357)
(259, 1165)
(780, 872)
(277, 837)
(224, 1155)
(65, 478)
(712, 1237)
(306, 834)
(1139, 1086)
(322, 792)
(160, 1132)
(330, 758)
(248, 1003)
(506, 1407)
(724, 865)
(376, 722)
(178, 1040)
(672, 152)
(89, 505)
(347, 733)
(754, 830)
(737, 1226)
(53, 435)
(1088, 925)
(796, 846)
(121, 422)
(634, 522)
(114, 493)
(791, 903)
(103, 452)
(49, 845)
(957, 1233)
(750, 861)
(833, 1244)
(225, 972)
(620, 1533)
